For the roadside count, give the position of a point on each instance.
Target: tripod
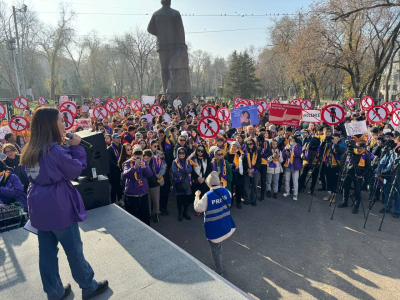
(321, 160)
(390, 196)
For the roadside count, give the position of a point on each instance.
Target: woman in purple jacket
(55, 206)
(292, 162)
(136, 172)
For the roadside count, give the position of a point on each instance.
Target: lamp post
(115, 90)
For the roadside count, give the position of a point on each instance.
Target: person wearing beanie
(218, 222)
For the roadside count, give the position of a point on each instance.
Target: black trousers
(183, 202)
(357, 182)
(138, 207)
(322, 176)
(303, 177)
(331, 178)
(239, 190)
(116, 189)
(263, 171)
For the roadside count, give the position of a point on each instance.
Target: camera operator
(333, 157)
(358, 162)
(310, 159)
(387, 166)
(326, 142)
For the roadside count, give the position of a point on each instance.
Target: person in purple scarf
(55, 206)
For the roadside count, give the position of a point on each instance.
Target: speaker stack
(92, 184)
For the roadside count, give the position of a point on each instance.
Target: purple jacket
(53, 202)
(13, 192)
(132, 187)
(296, 159)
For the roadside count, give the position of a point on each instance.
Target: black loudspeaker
(97, 156)
(94, 193)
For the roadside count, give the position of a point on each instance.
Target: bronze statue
(166, 24)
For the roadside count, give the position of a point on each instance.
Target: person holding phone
(136, 172)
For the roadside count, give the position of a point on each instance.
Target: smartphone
(138, 159)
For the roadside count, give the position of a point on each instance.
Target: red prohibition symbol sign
(389, 107)
(136, 105)
(306, 104)
(396, 104)
(156, 110)
(377, 114)
(20, 102)
(275, 101)
(251, 102)
(2, 111)
(367, 102)
(241, 104)
(111, 106)
(18, 124)
(396, 117)
(332, 114)
(68, 119)
(296, 102)
(209, 111)
(42, 101)
(70, 106)
(121, 101)
(263, 103)
(260, 108)
(350, 102)
(99, 112)
(208, 127)
(223, 114)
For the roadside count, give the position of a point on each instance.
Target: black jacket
(112, 159)
(354, 169)
(258, 161)
(15, 165)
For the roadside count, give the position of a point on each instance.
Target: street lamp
(115, 90)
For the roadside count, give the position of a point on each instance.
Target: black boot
(180, 217)
(355, 209)
(156, 218)
(186, 215)
(343, 204)
(268, 194)
(239, 205)
(275, 196)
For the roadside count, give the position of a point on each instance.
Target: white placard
(4, 130)
(311, 116)
(355, 128)
(148, 100)
(148, 117)
(167, 118)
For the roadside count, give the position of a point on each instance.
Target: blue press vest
(217, 219)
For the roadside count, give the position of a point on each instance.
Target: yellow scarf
(236, 158)
(361, 163)
(289, 162)
(252, 162)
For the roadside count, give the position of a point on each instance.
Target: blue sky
(218, 43)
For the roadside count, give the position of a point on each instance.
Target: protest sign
(148, 99)
(208, 127)
(311, 115)
(148, 117)
(332, 114)
(4, 130)
(86, 124)
(244, 116)
(355, 128)
(285, 114)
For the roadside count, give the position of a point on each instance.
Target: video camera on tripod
(350, 146)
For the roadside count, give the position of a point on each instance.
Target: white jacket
(278, 168)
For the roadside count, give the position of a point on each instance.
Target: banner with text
(285, 114)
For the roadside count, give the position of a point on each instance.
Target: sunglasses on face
(182, 141)
(200, 150)
(181, 153)
(128, 149)
(250, 144)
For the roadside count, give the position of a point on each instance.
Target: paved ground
(281, 251)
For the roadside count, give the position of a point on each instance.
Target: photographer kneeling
(218, 222)
(358, 163)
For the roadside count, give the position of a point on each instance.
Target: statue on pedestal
(166, 24)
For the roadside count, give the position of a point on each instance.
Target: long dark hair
(44, 130)
(205, 154)
(124, 155)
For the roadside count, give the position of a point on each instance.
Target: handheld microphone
(82, 143)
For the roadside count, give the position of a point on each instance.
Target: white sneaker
(285, 194)
(295, 198)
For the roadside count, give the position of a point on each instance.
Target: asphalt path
(282, 251)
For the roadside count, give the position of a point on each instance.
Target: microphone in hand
(83, 143)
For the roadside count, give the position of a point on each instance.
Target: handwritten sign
(355, 128)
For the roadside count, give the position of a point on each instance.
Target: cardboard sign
(18, 124)
(156, 110)
(244, 116)
(285, 114)
(376, 114)
(367, 102)
(42, 101)
(121, 102)
(306, 104)
(311, 115)
(20, 102)
(332, 114)
(100, 112)
(69, 106)
(208, 127)
(136, 105)
(69, 119)
(111, 106)
(350, 102)
(209, 111)
(355, 128)
(3, 111)
(223, 114)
